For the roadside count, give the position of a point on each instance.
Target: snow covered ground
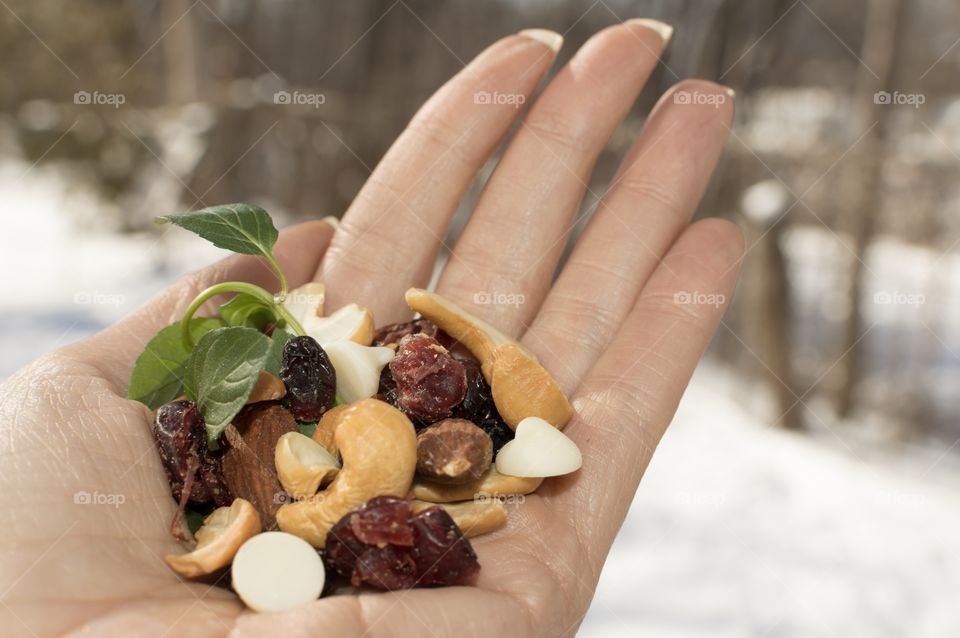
(737, 529)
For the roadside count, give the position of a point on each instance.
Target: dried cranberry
(310, 378)
(430, 381)
(478, 406)
(382, 545)
(442, 554)
(393, 333)
(194, 472)
(181, 440)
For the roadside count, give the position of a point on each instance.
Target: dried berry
(193, 471)
(453, 451)
(478, 407)
(430, 382)
(393, 333)
(311, 381)
(382, 544)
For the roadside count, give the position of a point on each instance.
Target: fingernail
(545, 36)
(662, 28)
(332, 221)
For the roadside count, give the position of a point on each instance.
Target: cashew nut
(521, 387)
(474, 518)
(303, 465)
(222, 534)
(352, 322)
(490, 484)
(306, 301)
(268, 388)
(326, 426)
(378, 446)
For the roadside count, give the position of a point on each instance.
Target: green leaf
(242, 228)
(275, 356)
(194, 520)
(222, 371)
(248, 311)
(306, 429)
(157, 376)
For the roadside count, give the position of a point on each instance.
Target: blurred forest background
(840, 168)
(847, 201)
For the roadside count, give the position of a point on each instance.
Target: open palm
(619, 328)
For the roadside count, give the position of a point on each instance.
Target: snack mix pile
(299, 445)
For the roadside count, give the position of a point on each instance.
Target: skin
(608, 329)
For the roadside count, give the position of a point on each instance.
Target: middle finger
(515, 237)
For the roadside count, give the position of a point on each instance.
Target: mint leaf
(248, 311)
(157, 376)
(222, 371)
(242, 228)
(275, 356)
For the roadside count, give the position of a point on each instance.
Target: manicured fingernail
(550, 38)
(662, 28)
(332, 221)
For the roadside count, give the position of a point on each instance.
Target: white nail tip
(274, 571)
(662, 28)
(545, 36)
(538, 450)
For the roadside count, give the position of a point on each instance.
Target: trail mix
(306, 451)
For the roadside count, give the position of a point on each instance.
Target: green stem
(283, 278)
(240, 287)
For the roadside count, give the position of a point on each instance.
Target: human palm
(612, 328)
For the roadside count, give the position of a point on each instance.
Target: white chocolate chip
(358, 368)
(274, 571)
(538, 450)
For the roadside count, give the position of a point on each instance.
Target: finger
(649, 202)
(630, 395)
(514, 238)
(388, 239)
(298, 250)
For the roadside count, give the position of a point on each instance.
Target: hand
(612, 329)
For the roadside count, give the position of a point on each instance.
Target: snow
(737, 529)
(742, 530)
